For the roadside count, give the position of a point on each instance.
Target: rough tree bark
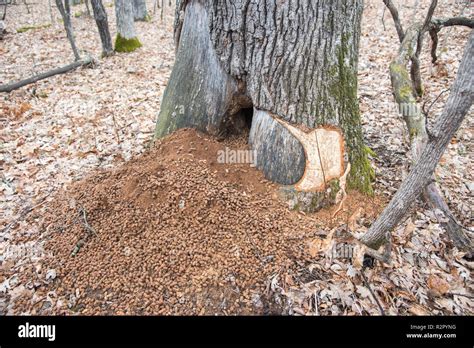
(139, 10)
(457, 106)
(127, 40)
(65, 10)
(100, 16)
(294, 63)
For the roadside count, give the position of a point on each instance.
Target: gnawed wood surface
(324, 151)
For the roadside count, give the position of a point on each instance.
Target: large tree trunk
(295, 65)
(139, 10)
(126, 40)
(100, 16)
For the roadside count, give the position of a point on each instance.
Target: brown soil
(175, 232)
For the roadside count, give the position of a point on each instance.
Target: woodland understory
(76, 126)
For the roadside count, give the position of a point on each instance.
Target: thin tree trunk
(126, 40)
(139, 10)
(292, 63)
(65, 10)
(457, 106)
(100, 16)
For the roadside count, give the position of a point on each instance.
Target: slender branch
(396, 18)
(415, 59)
(450, 22)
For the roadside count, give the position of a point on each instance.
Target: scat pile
(171, 232)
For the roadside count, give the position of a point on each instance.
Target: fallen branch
(12, 86)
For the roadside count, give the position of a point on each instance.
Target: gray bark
(415, 119)
(139, 10)
(124, 16)
(457, 106)
(295, 60)
(12, 86)
(100, 16)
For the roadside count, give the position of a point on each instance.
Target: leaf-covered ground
(64, 128)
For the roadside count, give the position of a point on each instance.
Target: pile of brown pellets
(171, 232)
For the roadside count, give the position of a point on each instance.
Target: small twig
(427, 111)
(383, 19)
(88, 227)
(366, 282)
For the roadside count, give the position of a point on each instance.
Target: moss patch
(126, 45)
(33, 27)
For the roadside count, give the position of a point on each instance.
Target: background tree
(127, 40)
(277, 67)
(139, 10)
(65, 10)
(457, 106)
(100, 16)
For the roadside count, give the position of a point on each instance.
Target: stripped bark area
(421, 174)
(289, 62)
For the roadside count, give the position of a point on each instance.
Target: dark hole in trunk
(240, 123)
(247, 115)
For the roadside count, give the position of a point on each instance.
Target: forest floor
(167, 230)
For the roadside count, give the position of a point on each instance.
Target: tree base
(126, 45)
